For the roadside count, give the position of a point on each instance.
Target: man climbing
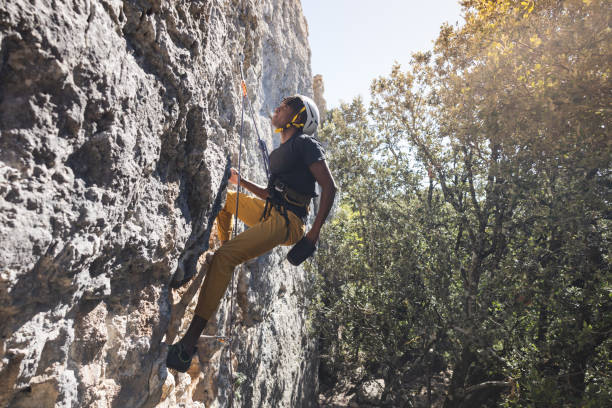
(276, 216)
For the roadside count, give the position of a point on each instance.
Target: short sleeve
(311, 150)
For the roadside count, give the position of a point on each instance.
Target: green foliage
(473, 234)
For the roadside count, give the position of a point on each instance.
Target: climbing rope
(234, 233)
(262, 145)
(264, 151)
(229, 337)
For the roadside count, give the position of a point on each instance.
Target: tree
(501, 253)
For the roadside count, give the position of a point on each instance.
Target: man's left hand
(234, 175)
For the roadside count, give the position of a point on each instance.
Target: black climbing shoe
(178, 359)
(189, 267)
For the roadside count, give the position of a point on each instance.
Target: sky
(353, 42)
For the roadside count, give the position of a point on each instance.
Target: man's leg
(190, 339)
(255, 241)
(250, 210)
(258, 239)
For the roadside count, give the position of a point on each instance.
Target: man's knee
(230, 202)
(225, 259)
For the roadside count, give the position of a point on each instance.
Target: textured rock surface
(318, 91)
(118, 120)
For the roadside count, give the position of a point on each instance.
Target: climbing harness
(273, 201)
(292, 196)
(281, 196)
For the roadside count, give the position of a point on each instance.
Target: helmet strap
(292, 122)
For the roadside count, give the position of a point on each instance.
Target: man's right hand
(234, 176)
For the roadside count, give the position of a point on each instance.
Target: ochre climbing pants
(261, 236)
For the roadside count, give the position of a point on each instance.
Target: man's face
(282, 115)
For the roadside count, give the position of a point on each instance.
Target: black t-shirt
(289, 163)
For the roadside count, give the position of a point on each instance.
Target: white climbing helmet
(312, 114)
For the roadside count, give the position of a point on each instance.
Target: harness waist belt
(291, 196)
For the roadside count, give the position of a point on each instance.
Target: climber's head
(296, 111)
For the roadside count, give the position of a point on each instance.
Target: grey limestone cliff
(318, 91)
(118, 121)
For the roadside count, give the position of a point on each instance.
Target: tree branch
(487, 384)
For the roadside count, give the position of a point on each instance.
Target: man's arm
(321, 173)
(252, 187)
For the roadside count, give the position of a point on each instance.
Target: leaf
(535, 40)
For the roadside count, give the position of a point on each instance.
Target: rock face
(118, 122)
(318, 90)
